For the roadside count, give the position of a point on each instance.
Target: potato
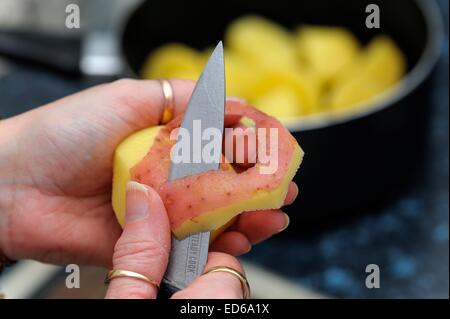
(325, 50)
(135, 147)
(289, 74)
(240, 74)
(173, 61)
(280, 102)
(384, 62)
(353, 92)
(304, 86)
(380, 67)
(262, 42)
(128, 154)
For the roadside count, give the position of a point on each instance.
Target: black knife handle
(166, 290)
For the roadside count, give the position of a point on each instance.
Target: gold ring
(169, 102)
(241, 277)
(117, 273)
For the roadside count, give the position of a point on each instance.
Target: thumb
(144, 244)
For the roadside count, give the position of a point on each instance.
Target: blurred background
(367, 101)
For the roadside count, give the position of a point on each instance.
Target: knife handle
(166, 290)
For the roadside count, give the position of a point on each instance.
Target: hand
(56, 171)
(144, 248)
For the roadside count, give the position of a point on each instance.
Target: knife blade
(206, 105)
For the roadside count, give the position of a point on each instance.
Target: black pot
(353, 163)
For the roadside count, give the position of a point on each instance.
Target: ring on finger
(241, 277)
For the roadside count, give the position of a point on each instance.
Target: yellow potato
(302, 84)
(325, 50)
(262, 42)
(353, 92)
(379, 68)
(315, 69)
(135, 147)
(280, 102)
(173, 61)
(239, 74)
(384, 62)
(127, 154)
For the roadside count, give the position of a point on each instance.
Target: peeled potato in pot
(325, 50)
(173, 61)
(239, 74)
(350, 93)
(280, 102)
(303, 85)
(384, 62)
(321, 68)
(261, 42)
(379, 68)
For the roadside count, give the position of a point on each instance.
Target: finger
(218, 285)
(140, 103)
(231, 242)
(260, 225)
(145, 99)
(144, 245)
(255, 226)
(292, 194)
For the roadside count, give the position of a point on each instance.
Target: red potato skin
(189, 197)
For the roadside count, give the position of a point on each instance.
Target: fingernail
(287, 222)
(296, 190)
(294, 197)
(137, 201)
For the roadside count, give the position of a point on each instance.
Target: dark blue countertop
(408, 239)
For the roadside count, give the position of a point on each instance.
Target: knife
(207, 104)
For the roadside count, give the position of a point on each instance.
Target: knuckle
(182, 294)
(144, 252)
(125, 91)
(231, 293)
(123, 85)
(134, 290)
(231, 287)
(223, 259)
(226, 293)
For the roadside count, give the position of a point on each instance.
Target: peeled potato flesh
(130, 152)
(321, 68)
(280, 102)
(326, 50)
(380, 67)
(261, 42)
